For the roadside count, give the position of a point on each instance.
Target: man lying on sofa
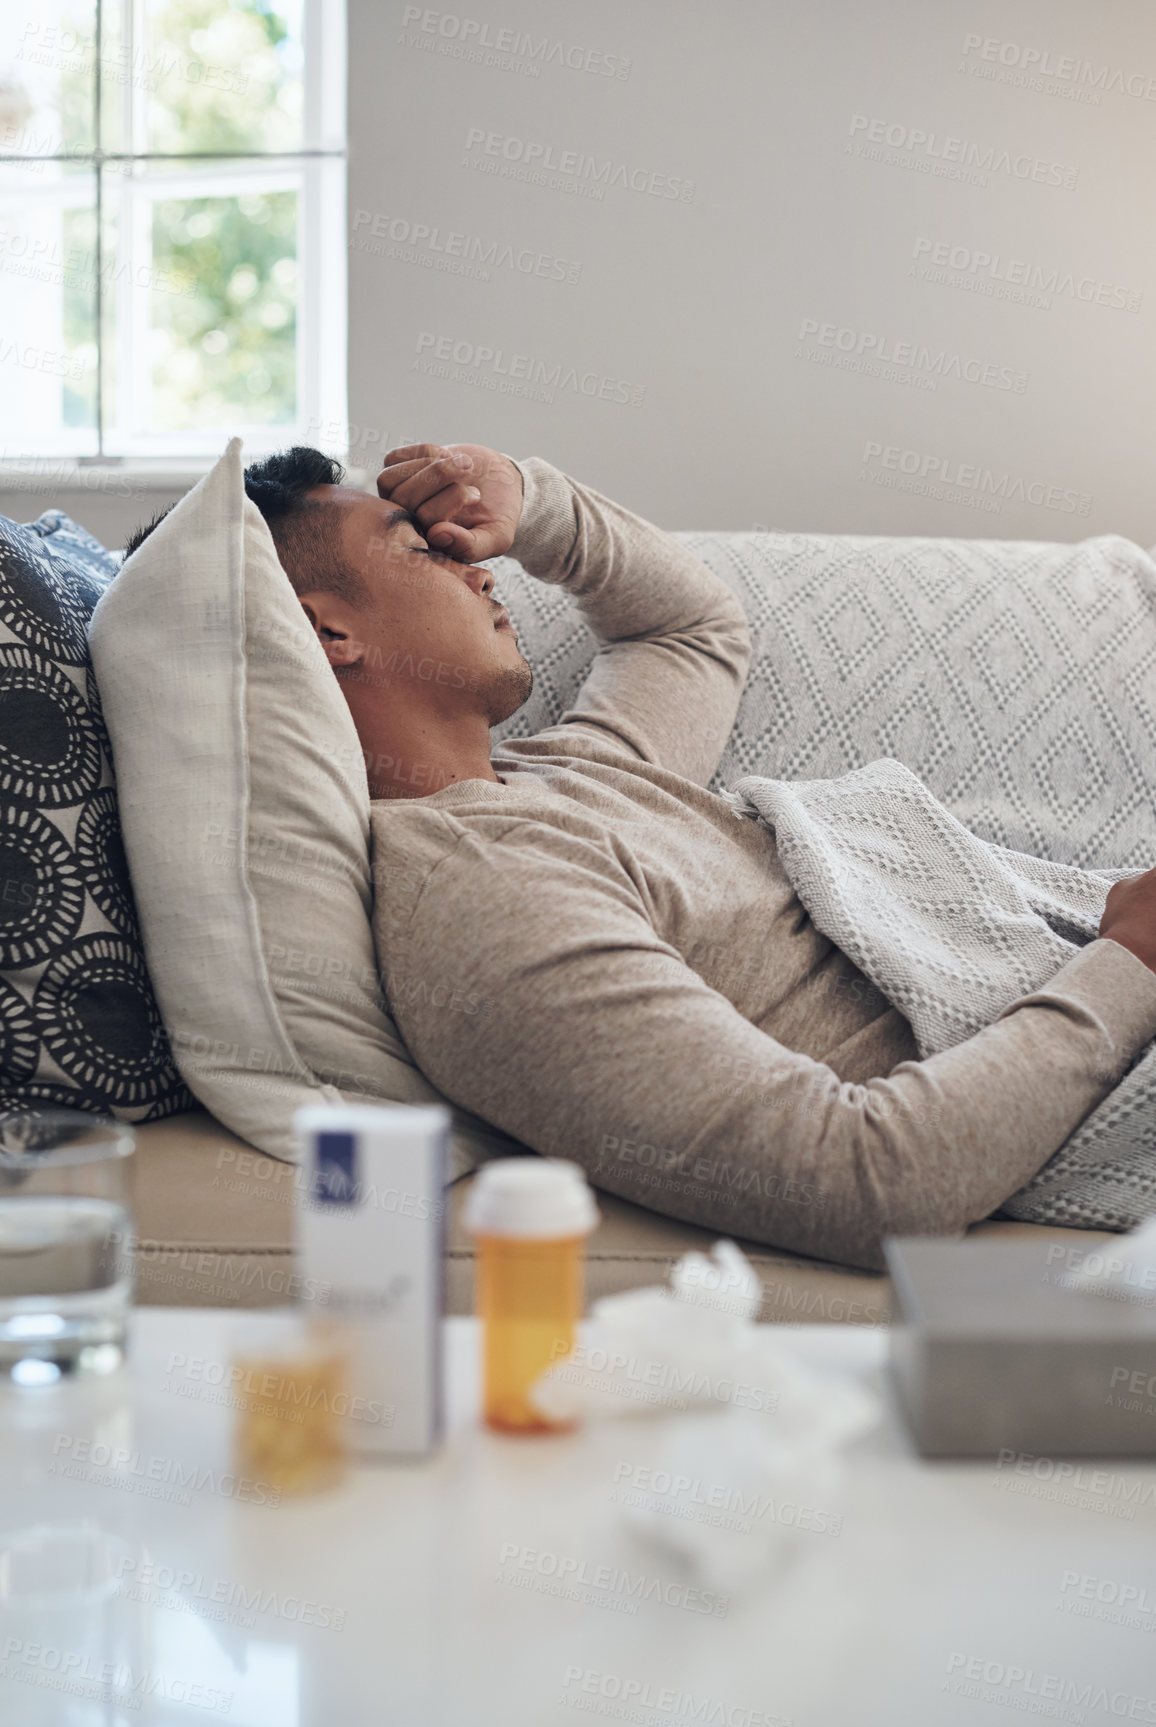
(657, 1004)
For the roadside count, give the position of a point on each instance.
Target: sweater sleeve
(673, 641)
(595, 1041)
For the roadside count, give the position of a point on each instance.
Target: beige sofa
(215, 1228)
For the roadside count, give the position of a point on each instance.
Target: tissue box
(990, 1352)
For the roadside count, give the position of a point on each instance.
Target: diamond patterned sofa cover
(1010, 676)
(1015, 677)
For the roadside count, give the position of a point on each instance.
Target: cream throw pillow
(245, 811)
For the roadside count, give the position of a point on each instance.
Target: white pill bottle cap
(531, 1199)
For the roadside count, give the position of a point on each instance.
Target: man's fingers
(390, 478)
(415, 456)
(452, 538)
(412, 452)
(467, 545)
(411, 484)
(397, 472)
(444, 505)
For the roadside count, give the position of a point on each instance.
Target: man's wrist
(544, 538)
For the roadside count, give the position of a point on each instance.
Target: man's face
(431, 625)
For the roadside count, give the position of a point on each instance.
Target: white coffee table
(947, 1595)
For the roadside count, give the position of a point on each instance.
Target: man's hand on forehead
(465, 498)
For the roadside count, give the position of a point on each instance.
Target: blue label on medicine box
(335, 1169)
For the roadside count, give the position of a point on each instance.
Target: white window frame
(316, 173)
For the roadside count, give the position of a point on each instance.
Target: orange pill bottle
(531, 1217)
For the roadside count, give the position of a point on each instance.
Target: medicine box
(370, 1233)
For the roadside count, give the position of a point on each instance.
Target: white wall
(109, 504)
(760, 111)
(693, 306)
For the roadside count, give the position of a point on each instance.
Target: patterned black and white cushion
(79, 1027)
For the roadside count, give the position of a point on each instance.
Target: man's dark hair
(305, 538)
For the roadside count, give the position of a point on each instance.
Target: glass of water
(66, 1244)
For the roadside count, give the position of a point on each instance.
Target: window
(172, 249)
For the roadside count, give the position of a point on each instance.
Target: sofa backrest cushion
(79, 1026)
(245, 809)
(1017, 678)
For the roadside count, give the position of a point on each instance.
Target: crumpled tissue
(1127, 1263)
(747, 1462)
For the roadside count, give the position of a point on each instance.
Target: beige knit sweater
(600, 957)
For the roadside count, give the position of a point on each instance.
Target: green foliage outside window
(211, 77)
(226, 77)
(227, 353)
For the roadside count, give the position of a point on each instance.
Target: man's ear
(331, 624)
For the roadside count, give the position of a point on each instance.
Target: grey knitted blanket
(952, 929)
